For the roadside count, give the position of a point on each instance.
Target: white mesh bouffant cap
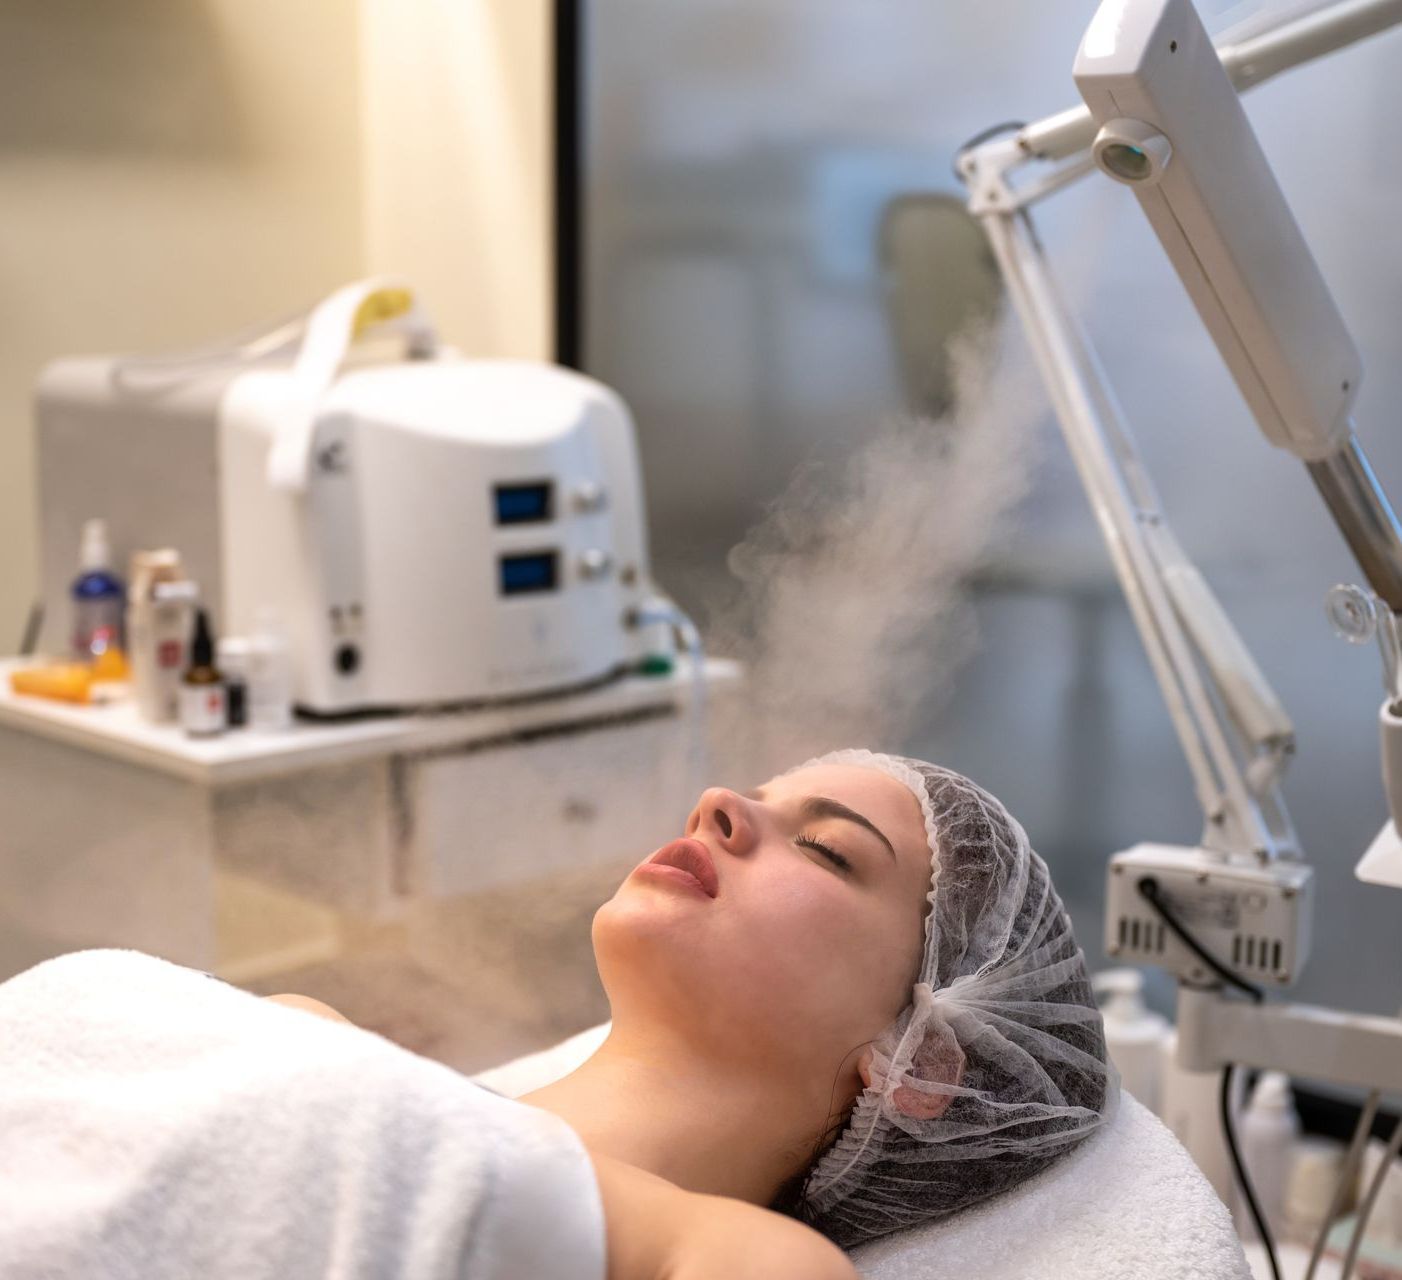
(998, 1064)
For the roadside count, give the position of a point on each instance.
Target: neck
(711, 1127)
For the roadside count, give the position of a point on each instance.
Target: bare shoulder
(307, 1005)
(657, 1231)
(739, 1241)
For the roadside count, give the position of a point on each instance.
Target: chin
(650, 954)
(636, 920)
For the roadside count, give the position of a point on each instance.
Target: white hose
(1352, 1159)
(660, 609)
(1394, 1145)
(258, 342)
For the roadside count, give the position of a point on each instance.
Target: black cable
(1148, 888)
(570, 198)
(982, 136)
(1224, 1102)
(30, 640)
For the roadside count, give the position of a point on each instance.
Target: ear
(939, 1062)
(864, 1066)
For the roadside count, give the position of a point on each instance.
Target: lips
(691, 857)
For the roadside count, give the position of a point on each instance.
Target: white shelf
(117, 730)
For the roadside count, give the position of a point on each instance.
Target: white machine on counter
(432, 530)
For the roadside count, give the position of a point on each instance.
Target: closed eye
(831, 854)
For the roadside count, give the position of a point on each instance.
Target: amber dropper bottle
(202, 710)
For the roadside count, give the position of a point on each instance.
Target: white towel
(156, 1123)
(1129, 1204)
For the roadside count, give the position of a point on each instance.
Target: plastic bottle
(1268, 1132)
(202, 707)
(99, 598)
(1188, 1106)
(234, 653)
(160, 618)
(269, 675)
(1385, 1224)
(1133, 1034)
(1315, 1166)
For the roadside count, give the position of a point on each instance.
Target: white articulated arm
(1250, 62)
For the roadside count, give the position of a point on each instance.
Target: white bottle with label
(269, 675)
(1188, 1102)
(160, 618)
(1269, 1130)
(1133, 1033)
(1315, 1165)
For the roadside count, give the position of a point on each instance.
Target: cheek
(793, 961)
(811, 949)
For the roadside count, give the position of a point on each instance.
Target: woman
(851, 994)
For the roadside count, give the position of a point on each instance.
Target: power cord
(1148, 888)
(29, 641)
(1224, 1106)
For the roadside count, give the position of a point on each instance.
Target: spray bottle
(98, 600)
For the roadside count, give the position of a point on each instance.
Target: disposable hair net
(998, 1064)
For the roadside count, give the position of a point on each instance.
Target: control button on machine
(348, 659)
(589, 498)
(594, 564)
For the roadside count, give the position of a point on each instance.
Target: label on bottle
(269, 686)
(97, 626)
(202, 709)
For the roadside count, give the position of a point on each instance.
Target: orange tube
(61, 681)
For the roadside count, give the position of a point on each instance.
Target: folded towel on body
(156, 1123)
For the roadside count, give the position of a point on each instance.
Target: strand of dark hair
(792, 1197)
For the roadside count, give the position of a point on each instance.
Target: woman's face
(811, 942)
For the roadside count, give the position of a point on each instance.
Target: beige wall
(457, 163)
(172, 170)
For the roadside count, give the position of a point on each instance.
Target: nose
(725, 817)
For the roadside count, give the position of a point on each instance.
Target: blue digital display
(523, 503)
(538, 571)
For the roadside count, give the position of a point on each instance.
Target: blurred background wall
(174, 170)
(740, 158)
(457, 153)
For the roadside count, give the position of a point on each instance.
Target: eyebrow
(823, 807)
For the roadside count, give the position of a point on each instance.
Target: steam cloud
(852, 609)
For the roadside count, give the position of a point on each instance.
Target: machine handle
(331, 330)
